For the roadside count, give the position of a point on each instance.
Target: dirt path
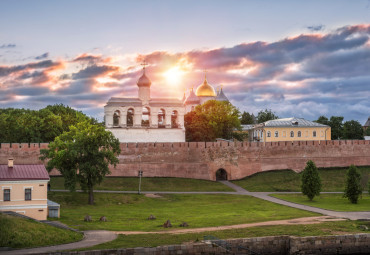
(298, 221)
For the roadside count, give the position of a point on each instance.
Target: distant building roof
(292, 122)
(247, 127)
(221, 96)
(367, 124)
(192, 98)
(23, 172)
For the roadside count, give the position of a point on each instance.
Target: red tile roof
(23, 172)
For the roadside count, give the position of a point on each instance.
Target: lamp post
(140, 173)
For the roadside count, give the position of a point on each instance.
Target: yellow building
(24, 190)
(289, 129)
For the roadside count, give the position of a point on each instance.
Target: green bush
(353, 188)
(311, 182)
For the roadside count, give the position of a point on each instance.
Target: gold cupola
(205, 89)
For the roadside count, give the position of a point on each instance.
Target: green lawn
(333, 179)
(150, 184)
(22, 233)
(130, 211)
(334, 202)
(153, 240)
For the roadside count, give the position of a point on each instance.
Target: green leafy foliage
(30, 126)
(211, 120)
(353, 130)
(311, 182)
(82, 155)
(367, 132)
(266, 115)
(353, 188)
(246, 119)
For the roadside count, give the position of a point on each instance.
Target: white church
(147, 119)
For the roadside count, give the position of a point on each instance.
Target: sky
(297, 58)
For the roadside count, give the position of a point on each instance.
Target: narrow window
(145, 117)
(116, 118)
(6, 194)
(130, 117)
(27, 194)
(291, 133)
(314, 133)
(276, 134)
(268, 134)
(161, 118)
(174, 123)
(299, 134)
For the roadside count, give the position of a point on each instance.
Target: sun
(173, 75)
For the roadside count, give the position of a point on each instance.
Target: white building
(145, 119)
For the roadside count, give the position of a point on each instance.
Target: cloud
(94, 71)
(43, 56)
(315, 28)
(8, 46)
(8, 70)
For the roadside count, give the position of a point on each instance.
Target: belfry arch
(221, 175)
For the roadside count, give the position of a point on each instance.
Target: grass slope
(130, 211)
(150, 184)
(22, 233)
(332, 179)
(334, 202)
(153, 240)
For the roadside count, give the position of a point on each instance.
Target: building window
(116, 118)
(145, 117)
(268, 134)
(299, 134)
(276, 134)
(291, 133)
(161, 118)
(130, 117)
(314, 133)
(6, 194)
(174, 118)
(27, 194)
(284, 133)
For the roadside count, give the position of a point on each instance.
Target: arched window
(276, 133)
(116, 118)
(314, 133)
(291, 133)
(130, 117)
(145, 117)
(174, 123)
(299, 134)
(161, 118)
(268, 134)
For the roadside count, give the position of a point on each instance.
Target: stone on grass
(184, 224)
(103, 218)
(152, 217)
(167, 224)
(88, 218)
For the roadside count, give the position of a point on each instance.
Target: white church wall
(148, 135)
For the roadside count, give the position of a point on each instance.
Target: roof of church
(192, 98)
(367, 124)
(144, 80)
(118, 101)
(205, 90)
(292, 122)
(221, 96)
(132, 101)
(165, 102)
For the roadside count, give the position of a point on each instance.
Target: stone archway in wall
(221, 175)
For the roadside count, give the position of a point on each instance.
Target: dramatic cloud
(43, 56)
(307, 75)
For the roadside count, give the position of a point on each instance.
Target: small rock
(103, 218)
(152, 217)
(167, 224)
(363, 227)
(184, 224)
(88, 218)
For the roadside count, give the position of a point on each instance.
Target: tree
(353, 130)
(266, 115)
(211, 120)
(353, 187)
(246, 118)
(323, 120)
(311, 181)
(336, 124)
(83, 155)
(367, 132)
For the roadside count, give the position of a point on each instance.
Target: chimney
(10, 162)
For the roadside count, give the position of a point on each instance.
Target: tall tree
(246, 118)
(265, 115)
(211, 120)
(353, 188)
(323, 120)
(336, 124)
(353, 130)
(311, 181)
(83, 155)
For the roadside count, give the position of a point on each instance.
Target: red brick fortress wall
(201, 160)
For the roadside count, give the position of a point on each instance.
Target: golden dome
(205, 90)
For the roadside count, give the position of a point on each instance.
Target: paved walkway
(91, 238)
